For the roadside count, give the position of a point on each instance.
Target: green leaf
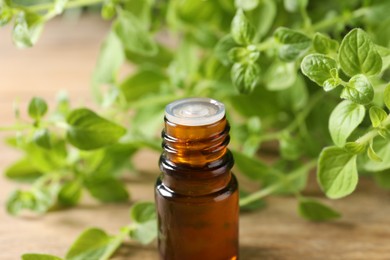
(37, 108)
(296, 96)
(142, 212)
(22, 171)
(372, 155)
(70, 193)
(5, 14)
(42, 138)
(323, 44)
(252, 168)
(382, 148)
(111, 58)
(358, 55)
(337, 172)
(88, 131)
(134, 34)
(386, 96)
(245, 77)
(241, 30)
(19, 200)
(293, 44)
(94, 244)
(318, 67)
(45, 196)
(107, 189)
(343, 121)
(295, 5)
(142, 83)
(162, 59)
(377, 115)
(358, 90)
(39, 199)
(290, 147)
(45, 160)
(280, 75)
(39, 257)
(144, 228)
(316, 211)
(27, 29)
(108, 10)
(223, 47)
(246, 5)
(262, 18)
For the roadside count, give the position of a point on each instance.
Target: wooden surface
(64, 59)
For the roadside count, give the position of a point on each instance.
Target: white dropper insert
(195, 111)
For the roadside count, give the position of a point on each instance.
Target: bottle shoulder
(165, 192)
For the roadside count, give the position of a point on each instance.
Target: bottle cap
(195, 111)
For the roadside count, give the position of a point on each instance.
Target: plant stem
(373, 133)
(15, 127)
(305, 112)
(274, 187)
(299, 119)
(70, 4)
(324, 24)
(117, 241)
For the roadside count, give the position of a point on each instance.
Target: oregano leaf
(93, 243)
(381, 147)
(358, 90)
(358, 55)
(337, 172)
(70, 193)
(372, 154)
(314, 210)
(318, 67)
(144, 228)
(134, 35)
(245, 77)
(246, 5)
(107, 189)
(88, 131)
(37, 108)
(293, 44)
(377, 115)
(386, 96)
(323, 44)
(223, 47)
(241, 30)
(42, 138)
(343, 121)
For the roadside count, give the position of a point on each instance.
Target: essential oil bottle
(196, 194)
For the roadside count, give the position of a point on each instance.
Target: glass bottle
(196, 194)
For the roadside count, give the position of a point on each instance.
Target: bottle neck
(195, 159)
(195, 146)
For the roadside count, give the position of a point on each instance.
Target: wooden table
(64, 59)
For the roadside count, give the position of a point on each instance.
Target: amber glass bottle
(197, 195)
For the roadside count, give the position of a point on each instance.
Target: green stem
(373, 133)
(15, 127)
(305, 112)
(306, 19)
(274, 187)
(299, 119)
(324, 24)
(47, 6)
(117, 241)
